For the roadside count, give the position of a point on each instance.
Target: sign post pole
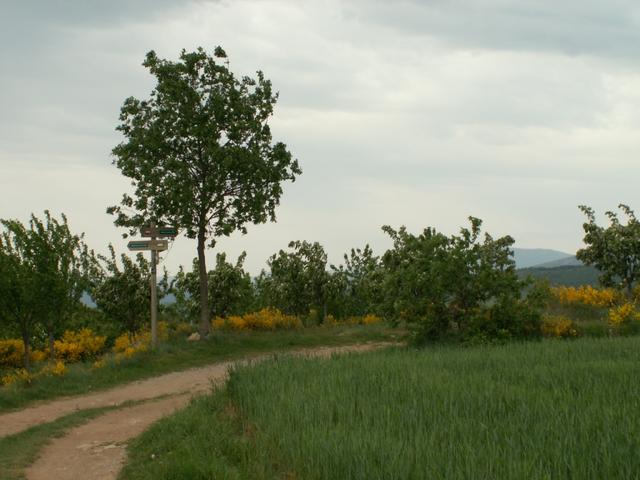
(154, 295)
(155, 246)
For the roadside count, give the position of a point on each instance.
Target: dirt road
(97, 449)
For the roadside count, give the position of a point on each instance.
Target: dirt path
(97, 449)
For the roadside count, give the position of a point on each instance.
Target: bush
(12, 353)
(265, 319)
(463, 287)
(127, 345)
(369, 319)
(79, 346)
(623, 314)
(559, 326)
(586, 295)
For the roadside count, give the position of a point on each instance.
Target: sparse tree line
(461, 286)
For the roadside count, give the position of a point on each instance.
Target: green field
(539, 410)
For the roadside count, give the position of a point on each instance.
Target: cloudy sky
(415, 113)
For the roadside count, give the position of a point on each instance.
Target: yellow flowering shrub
(12, 353)
(98, 364)
(368, 319)
(586, 295)
(79, 345)
(623, 314)
(558, 326)
(126, 345)
(58, 369)
(265, 319)
(18, 376)
(39, 355)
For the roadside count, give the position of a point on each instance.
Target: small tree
(230, 288)
(124, 293)
(62, 266)
(18, 296)
(54, 264)
(356, 285)
(199, 153)
(463, 285)
(614, 250)
(299, 279)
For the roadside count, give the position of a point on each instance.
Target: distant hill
(568, 275)
(563, 262)
(532, 257)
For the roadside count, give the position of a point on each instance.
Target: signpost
(140, 245)
(155, 246)
(162, 232)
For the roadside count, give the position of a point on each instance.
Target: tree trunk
(27, 348)
(204, 287)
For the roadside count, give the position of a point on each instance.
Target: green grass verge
(179, 355)
(19, 451)
(540, 410)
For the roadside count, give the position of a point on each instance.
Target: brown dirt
(96, 449)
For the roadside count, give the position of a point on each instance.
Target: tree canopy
(614, 250)
(200, 155)
(45, 269)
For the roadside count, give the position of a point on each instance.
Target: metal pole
(154, 296)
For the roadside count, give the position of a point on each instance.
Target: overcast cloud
(410, 112)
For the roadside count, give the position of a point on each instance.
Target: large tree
(200, 155)
(614, 250)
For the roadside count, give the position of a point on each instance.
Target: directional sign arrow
(157, 245)
(159, 231)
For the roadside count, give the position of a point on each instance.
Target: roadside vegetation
(550, 409)
(179, 354)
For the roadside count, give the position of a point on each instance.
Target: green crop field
(551, 409)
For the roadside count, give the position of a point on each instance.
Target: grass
(180, 355)
(539, 410)
(19, 451)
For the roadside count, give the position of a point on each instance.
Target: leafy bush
(12, 353)
(369, 319)
(79, 346)
(586, 295)
(265, 319)
(623, 314)
(559, 326)
(461, 287)
(129, 344)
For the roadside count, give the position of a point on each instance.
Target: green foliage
(614, 250)
(298, 280)
(44, 269)
(123, 294)
(356, 286)
(461, 286)
(199, 153)
(230, 289)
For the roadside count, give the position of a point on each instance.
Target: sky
(416, 113)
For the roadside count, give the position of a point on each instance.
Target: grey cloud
(572, 27)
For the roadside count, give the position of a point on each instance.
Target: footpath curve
(97, 449)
